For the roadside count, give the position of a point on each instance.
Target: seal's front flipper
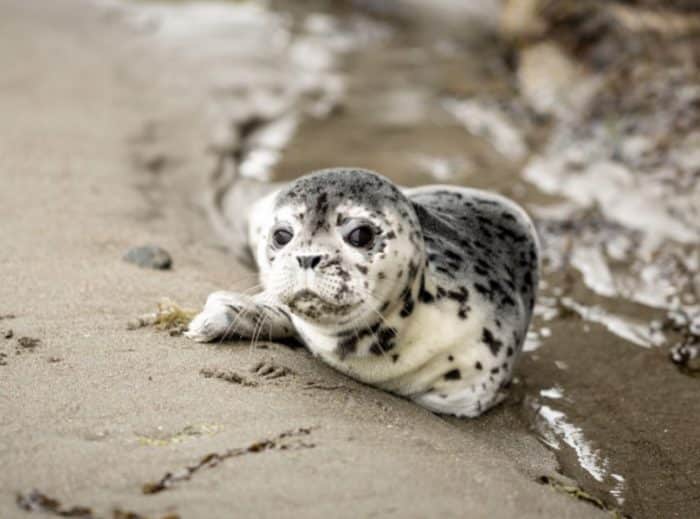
(233, 315)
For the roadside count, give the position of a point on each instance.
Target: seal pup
(425, 292)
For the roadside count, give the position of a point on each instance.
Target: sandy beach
(106, 144)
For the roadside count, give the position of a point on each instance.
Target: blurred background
(585, 112)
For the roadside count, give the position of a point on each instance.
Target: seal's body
(426, 292)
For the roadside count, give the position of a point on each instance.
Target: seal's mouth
(310, 304)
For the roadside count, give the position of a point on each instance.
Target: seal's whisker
(232, 328)
(236, 283)
(376, 301)
(259, 323)
(253, 288)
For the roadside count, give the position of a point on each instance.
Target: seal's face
(341, 247)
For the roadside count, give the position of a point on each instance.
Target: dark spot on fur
(412, 271)
(346, 347)
(444, 270)
(408, 303)
(461, 295)
(385, 341)
(508, 300)
(453, 374)
(482, 289)
(490, 341)
(454, 257)
(495, 286)
(386, 335)
(349, 345)
(423, 295)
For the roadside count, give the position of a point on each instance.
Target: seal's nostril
(309, 262)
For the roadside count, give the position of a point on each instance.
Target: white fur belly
(431, 343)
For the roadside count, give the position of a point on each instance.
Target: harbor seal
(424, 292)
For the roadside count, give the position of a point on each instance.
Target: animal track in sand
(269, 370)
(227, 376)
(264, 370)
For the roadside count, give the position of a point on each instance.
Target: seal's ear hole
(360, 236)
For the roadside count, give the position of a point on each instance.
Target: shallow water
(615, 195)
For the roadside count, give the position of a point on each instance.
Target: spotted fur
(435, 308)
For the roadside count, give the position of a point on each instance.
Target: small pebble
(8, 334)
(149, 256)
(687, 356)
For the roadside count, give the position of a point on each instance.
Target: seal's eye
(361, 236)
(282, 237)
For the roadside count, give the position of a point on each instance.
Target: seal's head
(341, 247)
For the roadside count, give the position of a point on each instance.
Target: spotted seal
(425, 292)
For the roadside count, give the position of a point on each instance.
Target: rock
(8, 334)
(552, 81)
(687, 357)
(149, 256)
(522, 20)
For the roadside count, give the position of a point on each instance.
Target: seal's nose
(309, 262)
